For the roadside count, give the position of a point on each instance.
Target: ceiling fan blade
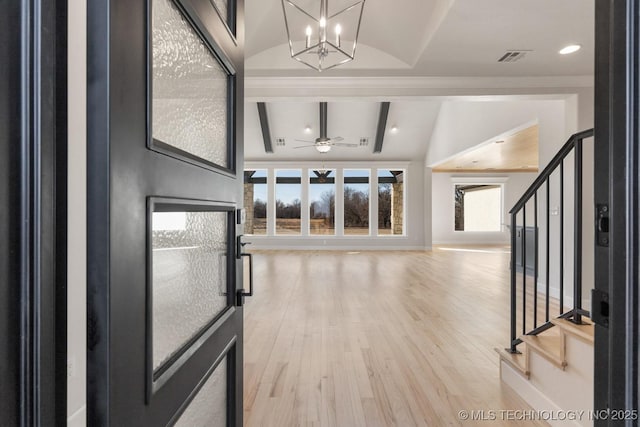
(344, 144)
(304, 140)
(304, 146)
(336, 139)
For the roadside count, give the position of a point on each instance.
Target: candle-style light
(308, 33)
(328, 48)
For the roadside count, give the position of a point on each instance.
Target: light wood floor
(376, 338)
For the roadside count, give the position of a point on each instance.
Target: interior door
(165, 90)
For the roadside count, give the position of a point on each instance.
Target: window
(356, 202)
(390, 202)
(478, 207)
(288, 191)
(255, 201)
(322, 195)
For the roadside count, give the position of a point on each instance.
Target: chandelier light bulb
(323, 22)
(308, 39)
(338, 32)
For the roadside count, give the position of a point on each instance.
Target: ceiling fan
(323, 144)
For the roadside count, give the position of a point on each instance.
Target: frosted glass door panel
(209, 407)
(190, 89)
(189, 277)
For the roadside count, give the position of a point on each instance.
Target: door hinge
(600, 307)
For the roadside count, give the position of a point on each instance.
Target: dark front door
(165, 90)
(617, 214)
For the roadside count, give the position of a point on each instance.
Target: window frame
(493, 181)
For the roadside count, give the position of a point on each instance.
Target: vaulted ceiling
(407, 39)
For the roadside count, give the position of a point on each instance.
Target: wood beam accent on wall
(264, 125)
(382, 126)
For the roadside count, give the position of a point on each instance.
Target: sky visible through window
(287, 193)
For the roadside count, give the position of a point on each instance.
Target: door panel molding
(123, 174)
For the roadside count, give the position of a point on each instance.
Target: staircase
(549, 360)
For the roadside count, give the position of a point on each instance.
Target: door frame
(615, 299)
(33, 212)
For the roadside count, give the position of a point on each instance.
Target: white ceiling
(404, 39)
(351, 120)
(439, 38)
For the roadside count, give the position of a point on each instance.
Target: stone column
(248, 207)
(396, 208)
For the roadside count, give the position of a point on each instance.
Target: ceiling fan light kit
(323, 143)
(325, 40)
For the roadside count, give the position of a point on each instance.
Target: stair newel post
(561, 254)
(535, 260)
(514, 307)
(577, 251)
(524, 268)
(547, 266)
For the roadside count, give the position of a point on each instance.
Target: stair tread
(518, 361)
(547, 344)
(585, 331)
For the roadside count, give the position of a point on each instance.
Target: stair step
(549, 345)
(584, 331)
(517, 361)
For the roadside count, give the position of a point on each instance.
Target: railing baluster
(548, 272)
(514, 306)
(561, 258)
(524, 269)
(535, 260)
(577, 249)
(574, 144)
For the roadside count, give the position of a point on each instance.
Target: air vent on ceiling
(279, 142)
(364, 142)
(513, 55)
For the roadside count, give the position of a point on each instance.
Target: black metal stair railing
(557, 164)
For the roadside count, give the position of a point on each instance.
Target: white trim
(417, 82)
(531, 395)
(479, 180)
(283, 164)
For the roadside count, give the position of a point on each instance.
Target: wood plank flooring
(376, 338)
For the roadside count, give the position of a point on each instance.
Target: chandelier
(324, 40)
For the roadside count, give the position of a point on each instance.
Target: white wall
(443, 228)
(463, 124)
(414, 237)
(77, 236)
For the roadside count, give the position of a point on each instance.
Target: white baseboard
(531, 395)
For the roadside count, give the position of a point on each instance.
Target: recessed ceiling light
(307, 129)
(394, 129)
(569, 49)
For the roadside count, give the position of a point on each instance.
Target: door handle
(241, 255)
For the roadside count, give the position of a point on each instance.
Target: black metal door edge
(616, 177)
(33, 138)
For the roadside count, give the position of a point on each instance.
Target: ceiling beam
(264, 125)
(382, 126)
(323, 120)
